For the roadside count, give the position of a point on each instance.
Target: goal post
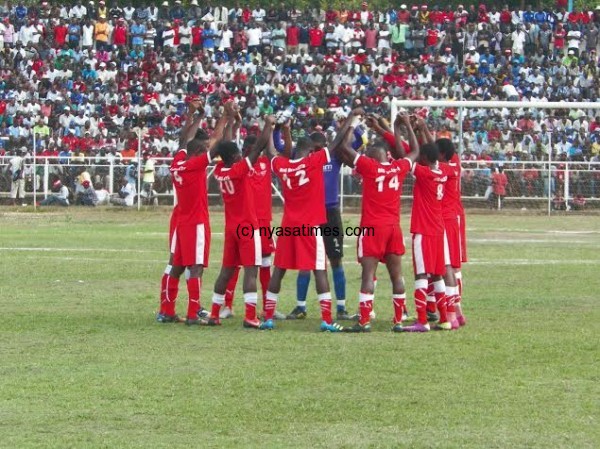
(563, 183)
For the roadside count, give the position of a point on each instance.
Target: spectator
(126, 195)
(87, 196)
(17, 173)
(499, 183)
(59, 195)
(102, 194)
(108, 71)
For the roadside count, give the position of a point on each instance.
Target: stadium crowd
(88, 77)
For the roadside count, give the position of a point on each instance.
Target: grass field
(83, 364)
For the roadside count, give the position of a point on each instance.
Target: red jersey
(391, 141)
(120, 35)
(293, 36)
(315, 36)
(303, 188)
(189, 179)
(179, 156)
(382, 188)
(260, 180)
(455, 162)
(451, 199)
(426, 216)
(60, 35)
(237, 193)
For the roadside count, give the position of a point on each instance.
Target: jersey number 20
(227, 187)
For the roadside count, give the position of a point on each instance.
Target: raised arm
(264, 140)
(270, 150)
(286, 131)
(415, 149)
(425, 132)
(374, 123)
(233, 125)
(217, 134)
(192, 123)
(398, 150)
(344, 151)
(348, 123)
(383, 124)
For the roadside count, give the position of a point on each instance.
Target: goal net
(539, 157)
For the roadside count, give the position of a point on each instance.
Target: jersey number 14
(393, 184)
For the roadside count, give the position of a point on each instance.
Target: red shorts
(266, 240)
(462, 224)
(172, 225)
(428, 254)
(300, 253)
(190, 245)
(241, 251)
(453, 238)
(382, 241)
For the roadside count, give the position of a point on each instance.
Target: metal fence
(531, 185)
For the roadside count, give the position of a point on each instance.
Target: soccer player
(190, 244)
(333, 237)
(300, 244)
(242, 235)
(427, 227)
(380, 216)
(451, 211)
(260, 181)
(189, 130)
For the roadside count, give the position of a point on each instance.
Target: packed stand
(89, 78)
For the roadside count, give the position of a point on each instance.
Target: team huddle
(308, 174)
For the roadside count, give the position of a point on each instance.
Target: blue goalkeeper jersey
(331, 178)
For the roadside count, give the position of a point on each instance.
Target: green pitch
(83, 364)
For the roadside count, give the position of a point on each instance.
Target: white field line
(349, 261)
(511, 262)
(86, 250)
(500, 241)
(532, 231)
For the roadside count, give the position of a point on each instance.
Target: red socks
(250, 304)
(440, 299)
(264, 274)
(325, 303)
(163, 291)
(399, 301)
(421, 300)
(451, 295)
(171, 292)
(217, 303)
(430, 296)
(193, 287)
(459, 283)
(230, 289)
(270, 305)
(365, 305)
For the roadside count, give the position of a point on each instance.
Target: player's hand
(371, 121)
(196, 105)
(270, 120)
(402, 119)
(287, 124)
(420, 123)
(228, 109)
(358, 111)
